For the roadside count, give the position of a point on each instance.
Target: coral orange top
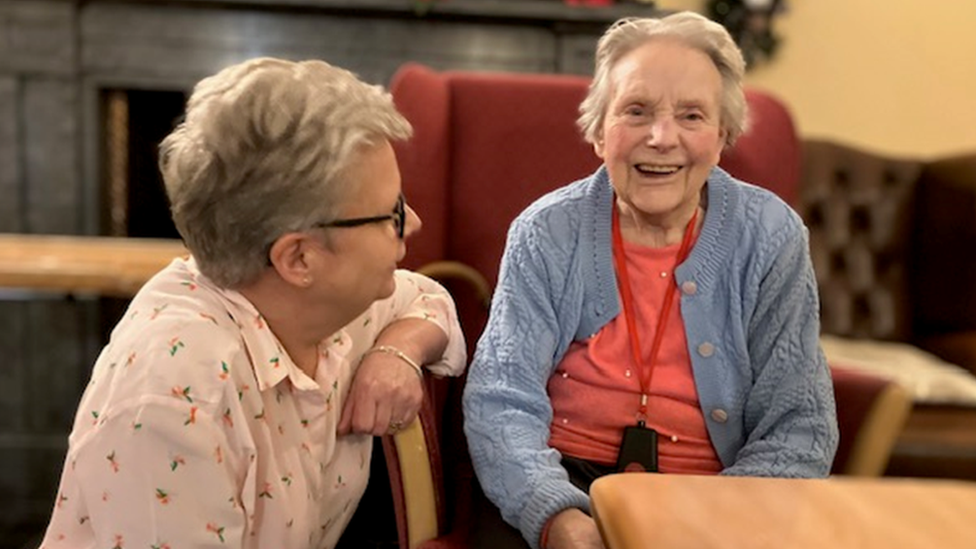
(596, 389)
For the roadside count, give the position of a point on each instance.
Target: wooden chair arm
(413, 456)
(414, 483)
(872, 446)
(447, 270)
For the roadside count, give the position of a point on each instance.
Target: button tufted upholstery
(858, 208)
(893, 244)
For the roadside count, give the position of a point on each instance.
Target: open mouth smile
(657, 169)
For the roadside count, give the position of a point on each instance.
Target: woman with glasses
(236, 401)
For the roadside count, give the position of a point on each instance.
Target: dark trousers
(490, 531)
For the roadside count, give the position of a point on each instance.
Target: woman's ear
(598, 146)
(289, 257)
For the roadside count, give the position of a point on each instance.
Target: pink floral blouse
(197, 430)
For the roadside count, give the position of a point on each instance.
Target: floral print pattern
(210, 436)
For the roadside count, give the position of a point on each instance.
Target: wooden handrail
(108, 266)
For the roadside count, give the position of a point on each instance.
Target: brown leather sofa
(894, 247)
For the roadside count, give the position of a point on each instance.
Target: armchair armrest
(958, 348)
(446, 270)
(415, 457)
(871, 412)
(415, 480)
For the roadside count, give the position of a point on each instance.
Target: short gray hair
(692, 30)
(261, 153)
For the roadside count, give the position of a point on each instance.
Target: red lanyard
(627, 296)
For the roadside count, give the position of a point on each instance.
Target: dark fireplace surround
(87, 90)
(138, 102)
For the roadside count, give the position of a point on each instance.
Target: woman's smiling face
(662, 133)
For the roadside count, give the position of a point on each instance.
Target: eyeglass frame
(398, 217)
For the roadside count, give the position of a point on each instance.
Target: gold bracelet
(390, 350)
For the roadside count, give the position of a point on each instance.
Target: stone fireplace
(87, 89)
(133, 200)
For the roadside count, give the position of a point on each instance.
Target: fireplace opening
(134, 202)
(134, 199)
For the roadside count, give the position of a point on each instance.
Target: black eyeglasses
(398, 217)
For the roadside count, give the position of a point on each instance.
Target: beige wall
(897, 77)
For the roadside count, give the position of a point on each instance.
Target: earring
(307, 281)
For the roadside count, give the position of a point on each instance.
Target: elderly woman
(656, 315)
(236, 401)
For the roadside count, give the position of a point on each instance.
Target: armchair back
(487, 144)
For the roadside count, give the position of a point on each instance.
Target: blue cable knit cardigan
(750, 309)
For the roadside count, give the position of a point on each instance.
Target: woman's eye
(634, 111)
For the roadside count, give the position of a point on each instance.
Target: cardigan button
(706, 349)
(688, 287)
(719, 415)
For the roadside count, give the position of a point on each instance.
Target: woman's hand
(573, 529)
(386, 392)
(385, 396)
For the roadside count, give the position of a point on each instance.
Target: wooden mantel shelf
(538, 11)
(115, 267)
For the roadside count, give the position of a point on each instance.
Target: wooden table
(646, 510)
(115, 267)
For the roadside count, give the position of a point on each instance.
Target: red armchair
(871, 412)
(485, 146)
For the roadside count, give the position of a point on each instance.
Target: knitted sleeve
(506, 408)
(790, 416)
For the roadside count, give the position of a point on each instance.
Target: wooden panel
(30, 467)
(45, 363)
(10, 207)
(51, 169)
(544, 12)
(576, 54)
(187, 44)
(57, 331)
(15, 366)
(105, 266)
(49, 346)
(37, 36)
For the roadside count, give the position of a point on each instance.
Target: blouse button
(706, 349)
(689, 287)
(719, 415)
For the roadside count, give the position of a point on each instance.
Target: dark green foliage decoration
(751, 25)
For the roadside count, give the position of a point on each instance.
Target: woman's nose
(413, 222)
(662, 132)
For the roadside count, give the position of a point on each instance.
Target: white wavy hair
(690, 29)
